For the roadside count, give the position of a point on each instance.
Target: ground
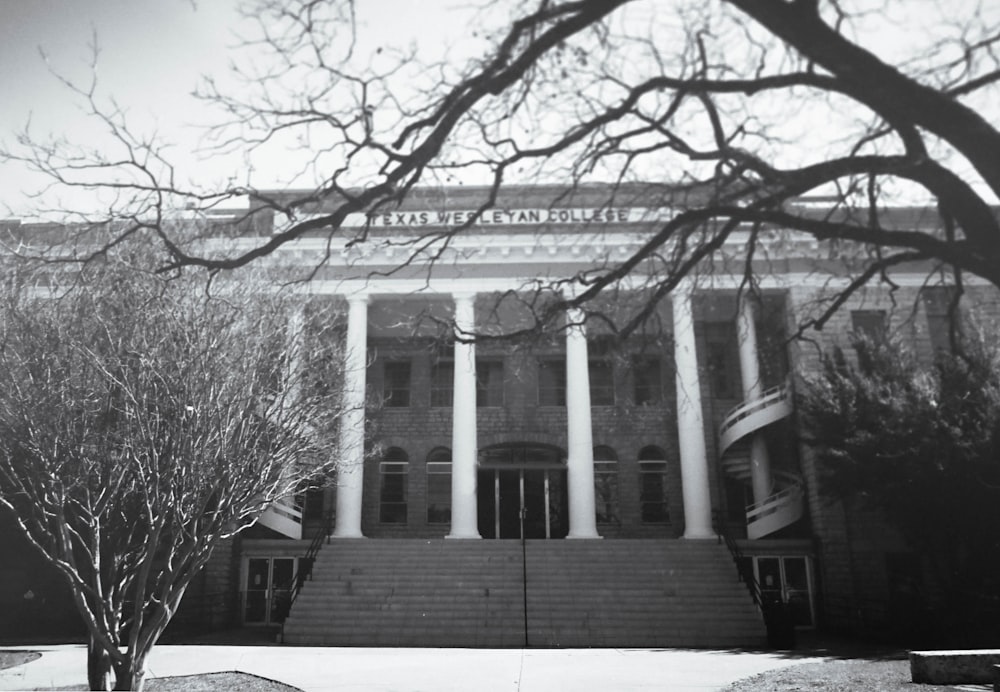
(848, 675)
(210, 682)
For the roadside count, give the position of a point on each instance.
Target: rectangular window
(943, 316)
(489, 383)
(438, 492)
(396, 384)
(392, 492)
(722, 360)
(552, 382)
(442, 383)
(606, 491)
(602, 384)
(870, 324)
(647, 380)
(653, 492)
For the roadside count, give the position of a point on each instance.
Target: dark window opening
(647, 377)
(552, 382)
(722, 360)
(396, 384)
(439, 486)
(489, 383)
(393, 487)
(602, 385)
(442, 383)
(606, 485)
(653, 503)
(869, 324)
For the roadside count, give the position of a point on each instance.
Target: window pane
(653, 492)
(442, 383)
(489, 383)
(552, 382)
(439, 486)
(943, 316)
(647, 380)
(722, 359)
(606, 491)
(438, 497)
(393, 492)
(602, 386)
(869, 324)
(396, 386)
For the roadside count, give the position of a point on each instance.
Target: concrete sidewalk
(433, 670)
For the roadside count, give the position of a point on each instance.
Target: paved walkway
(433, 670)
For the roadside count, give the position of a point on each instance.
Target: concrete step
(402, 592)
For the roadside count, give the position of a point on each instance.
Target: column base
(583, 538)
(700, 535)
(463, 536)
(347, 535)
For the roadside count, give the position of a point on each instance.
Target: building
(568, 487)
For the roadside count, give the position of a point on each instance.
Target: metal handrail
(745, 575)
(304, 568)
(302, 573)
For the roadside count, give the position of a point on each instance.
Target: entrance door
(267, 595)
(787, 579)
(524, 502)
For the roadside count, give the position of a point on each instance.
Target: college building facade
(507, 478)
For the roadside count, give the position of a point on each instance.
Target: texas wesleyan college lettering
(506, 217)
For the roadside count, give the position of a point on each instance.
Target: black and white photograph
(500, 345)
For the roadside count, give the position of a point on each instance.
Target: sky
(153, 53)
(152, 56)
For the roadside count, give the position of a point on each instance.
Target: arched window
(439, 486)
(653, 486)
(606, 485)
(393, 486)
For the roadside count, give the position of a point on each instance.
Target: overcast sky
(154, 51)
(152, 54)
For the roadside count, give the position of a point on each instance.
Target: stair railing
(303, 570)
(746, 574)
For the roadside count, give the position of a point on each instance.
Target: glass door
(256, 594)
(787, 580)
(524, 501)
(268, 588)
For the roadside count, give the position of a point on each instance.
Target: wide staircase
(785, 504)
(557, 593)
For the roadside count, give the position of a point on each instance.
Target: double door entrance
(522, 493)
(267, 589)
(787, 579)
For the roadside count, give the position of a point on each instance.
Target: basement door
(268, 588)
(788, 578)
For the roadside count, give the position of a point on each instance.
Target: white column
(690, 423)
(580, 447)
(350, 472)
(746, 334)
(464, 512)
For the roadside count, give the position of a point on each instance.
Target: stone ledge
(954, 667)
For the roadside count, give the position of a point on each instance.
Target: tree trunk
(98, 666)
(131, 673)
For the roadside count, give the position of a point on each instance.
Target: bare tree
(142, 422)
(737, 107)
